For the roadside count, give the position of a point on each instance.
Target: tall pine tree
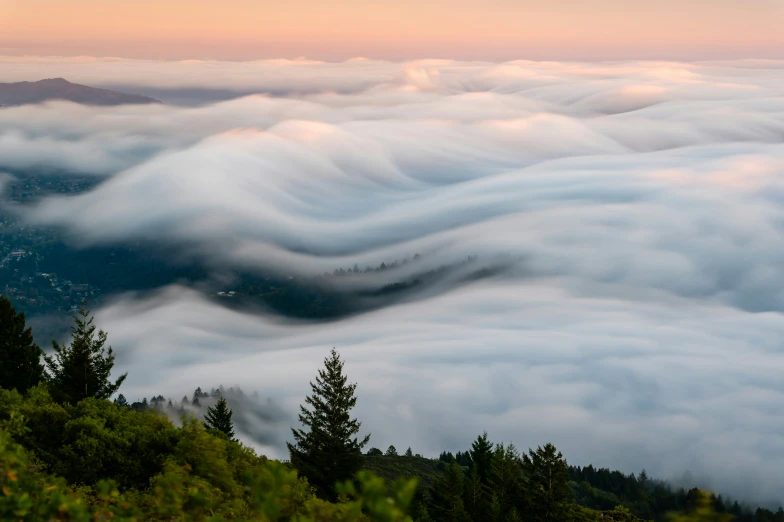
(219, 418)
(20, 357)
(328, 452)
(547, 476)
(505, 480)
(82, 369)
(481, 454)
(447, 494)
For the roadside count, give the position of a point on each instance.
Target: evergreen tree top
(327, 450)
(82, 369)
(218, 418)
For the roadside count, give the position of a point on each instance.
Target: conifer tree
(505, 476)
(409, 453)
(20, 357)
(447, 493)
(219, 418)
(82, 369)
(481, 455)
(642, 478)
(121, 401)
(446, 456)
(547, 475)
(421, 514)
(475, 493)
(329, 451)
(495, 511)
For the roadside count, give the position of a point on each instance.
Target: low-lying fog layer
(639, 208)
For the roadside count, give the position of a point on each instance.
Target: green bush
(202, 477)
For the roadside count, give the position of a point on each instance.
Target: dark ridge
(23, 93)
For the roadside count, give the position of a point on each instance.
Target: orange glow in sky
(395, 29)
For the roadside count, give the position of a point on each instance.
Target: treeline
(599, 489)
(161, 403)
(70, 452)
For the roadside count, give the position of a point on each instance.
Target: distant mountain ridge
(23, 93)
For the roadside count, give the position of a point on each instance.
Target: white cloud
(612, 376)
(640, 204)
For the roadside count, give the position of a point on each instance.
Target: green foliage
(447, 495)
(548, 483)
(702, 512)
(204, 478)
(576, 513)
(421, 514)
(218, 418)
(82, 369)
(391, 451)
(20, 357)
(426, 471)
(505, 478)
(28, 495)
(475, 494)
(329, 452)
(481, 455)
(94, 440)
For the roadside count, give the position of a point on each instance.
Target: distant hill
(22, 93)
(391, 468)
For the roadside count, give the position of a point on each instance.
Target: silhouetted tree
(547, 475)
(198, 394)
(20, 357)
(464, 459)
(446, 456)
(409, 453)
(219, 418)
(329, 452)
(82, 369)
(391, 452)
(374, 452)
(481, 455)
(121, 401)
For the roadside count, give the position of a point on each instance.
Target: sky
(492, 30)
(632, 213)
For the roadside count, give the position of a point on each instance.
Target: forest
(73, 448)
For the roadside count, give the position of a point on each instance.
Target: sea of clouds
(637, 209)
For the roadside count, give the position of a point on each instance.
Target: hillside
(597, 494)
(22, 93)
(428, 471)
(392, 468)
